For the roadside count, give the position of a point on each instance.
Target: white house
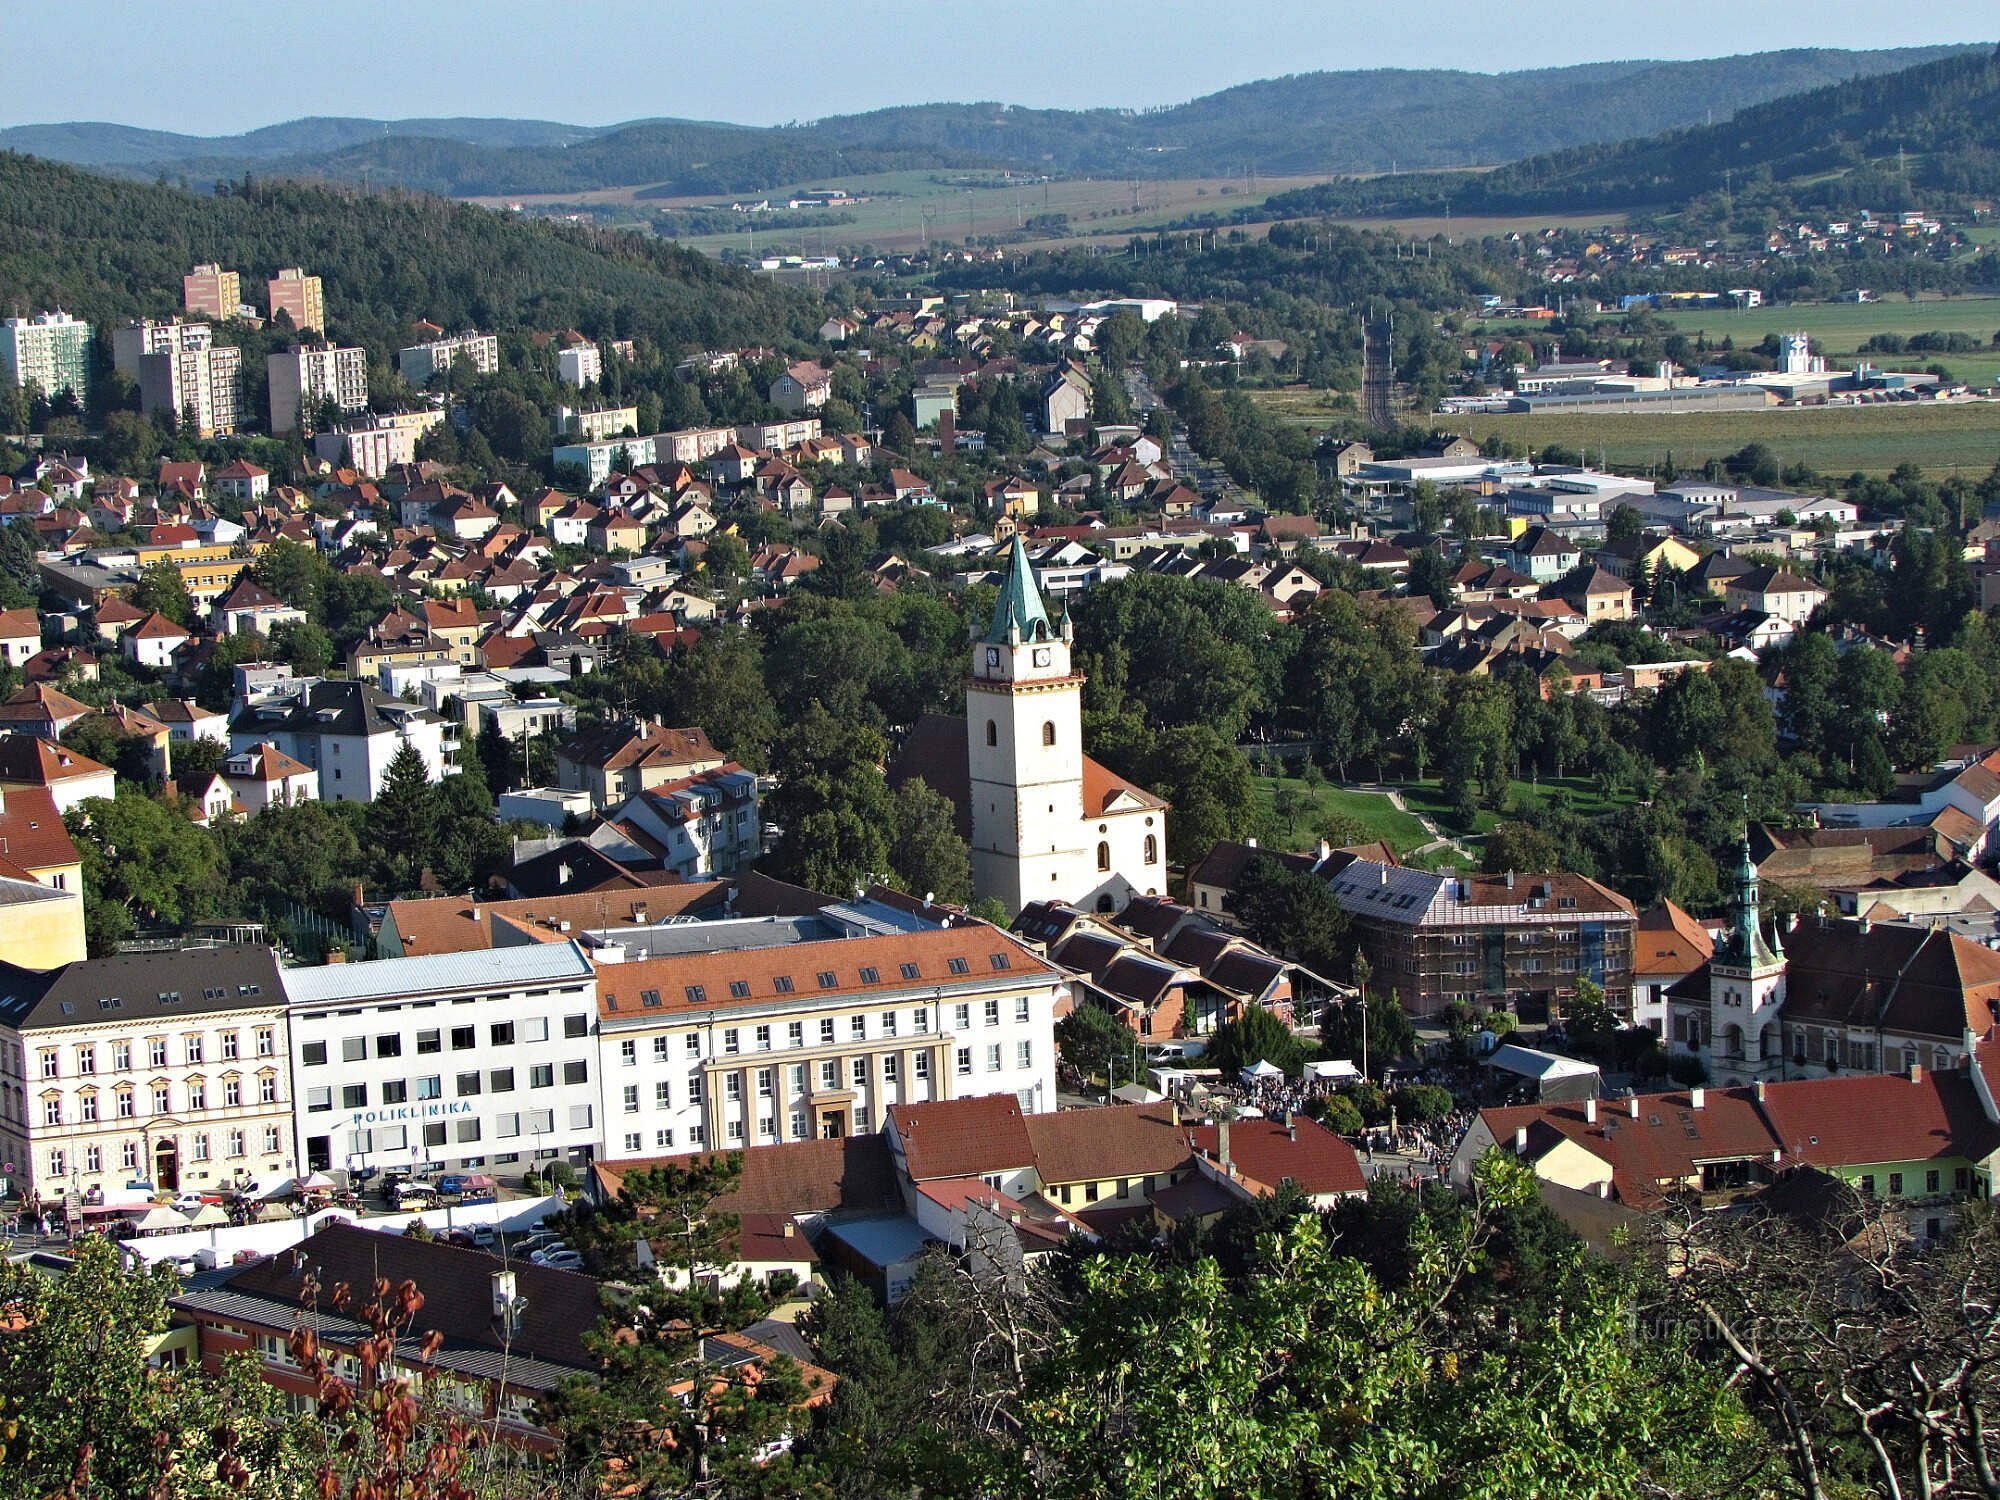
(264, 775)
(347, 732)
(154, 641)
(480, 1060)
(698, 826)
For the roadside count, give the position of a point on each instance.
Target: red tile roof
(1861, 1119)
(963, 1137)
(1265, 1153)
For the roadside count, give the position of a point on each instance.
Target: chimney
(1760, 1091)
(506, 1306)
(1222, 1144)
(1590, 1111)
(1697, 1098)
(1521, 1141)
(1510, 880)
(1916, 1072)
(790, 1229)
(1381, 874)
(1634, 1103)
(1250, 843)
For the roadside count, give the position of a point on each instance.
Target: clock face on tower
(1041, 656)
(992, 656)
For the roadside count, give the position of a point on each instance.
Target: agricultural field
(1838, 440)
(1844, 327)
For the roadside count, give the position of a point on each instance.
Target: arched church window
(1152, 849)
(1103, 856)
(992, 733)
(1049, 732)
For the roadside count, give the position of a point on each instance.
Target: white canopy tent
(1262, 1068)
(1338, 1070)
(160, 1219)
(209, 1215)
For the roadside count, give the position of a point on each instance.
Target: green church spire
(1019, 616)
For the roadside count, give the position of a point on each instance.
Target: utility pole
(1363, 972)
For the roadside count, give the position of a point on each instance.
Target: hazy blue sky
(211, 66)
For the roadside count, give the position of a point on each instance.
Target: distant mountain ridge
(1356, 122)
(1886, 141)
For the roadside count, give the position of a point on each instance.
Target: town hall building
(1044, 821)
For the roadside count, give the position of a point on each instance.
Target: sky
(210, 67)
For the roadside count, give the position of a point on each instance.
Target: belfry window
(992, 733)
(1103, 856)
(1049, 732)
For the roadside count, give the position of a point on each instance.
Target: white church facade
(1044, 820)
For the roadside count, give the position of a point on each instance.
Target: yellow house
(41, 927)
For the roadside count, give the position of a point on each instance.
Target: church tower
(1024, 734)
(1746, 989)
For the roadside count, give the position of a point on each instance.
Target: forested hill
(1897, 140)
(1360, 121)
(111, 249)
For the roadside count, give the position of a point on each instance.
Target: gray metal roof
(176, 984)
(394, 978)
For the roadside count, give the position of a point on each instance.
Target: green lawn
(1373, 811)
(1843, 326)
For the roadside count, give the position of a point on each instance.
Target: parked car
(485, 1237)
(558, 1260)
(540, 1255)
(187, 1203)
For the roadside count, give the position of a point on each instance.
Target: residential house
(29, 763)
(803, 387)
(347, 732)
(619, 760)
(264, 776)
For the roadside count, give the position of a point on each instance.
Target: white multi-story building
(594, 426)
(206, 381)
(699, 826)
(420, 362)
(580, 365)
(125, 1076)
(346, 731)
(300, 379)
(480, 1060)
(145, 336)
(748, 1031)
(51, 350)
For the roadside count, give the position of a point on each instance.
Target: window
(1895, 1183)
(128, 1155)
(1868, 1183)
(649, 998)
(235, 1143)
(998, 960)
(961, 1017)
(467, 1083)
(313, 1054)
(126, 1107)
(827, 980)
(163, 1099)
(431, 1086)
(829, 1074)
(576, 1070)
(888, 1023)
(993, 1057)
(319, 1100)
(795, 1034)
(535, 1029)
(1931, 1181)
(992, 1012)
(858, 1071)
(1020, 1007)
(430, 1041)
(662, 1046)
(156, 1052)
(58, 1164)
(500, 1080)
(388, 1046)
(270, 1140)
(889, 1069)
(767, 1128)
(739, 989)
(501, 1033)
(200, 1152)
(697, 994)
(464, 1131)
(870, 974)
(628, 1053)
(735, 1130)
(354, 1049)
(693, 1048)
(782, 983)
(920, 1019)
(732, 1086)
(541, 1121)
(861, 1119)
(957, 965)
(576, 1026)
(1048, 731)
(695, 1090)
(86, 1059)
(193, 1045)
(763, 1039)
(1024, 1054)
(542, 1075)
(121, 1056)
(1103, 856)
(507, 1125)
(663, 1139)
(232, 1093)
(52, 1111)
(857, 1028)
(992, 733)
(663, 1095)
(912, 971)
(463, 1037)
(796, 1078)
(964, 1062)
(396, 1091)
(267, 1041)
(1152, 855)
(354, 1096)
(632, 1142)
(767, 1082)
(731, 1042)
(798, 1124)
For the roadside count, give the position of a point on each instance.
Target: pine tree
(403, 821)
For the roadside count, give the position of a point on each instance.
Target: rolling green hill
(1351, 122)
(1892, 141)
(110, 249)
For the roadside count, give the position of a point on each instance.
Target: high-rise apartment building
(51, 351)
(206, 381)
(420, 362)
(151, 336)
(300, 379)
(300, 298)
(210, 289)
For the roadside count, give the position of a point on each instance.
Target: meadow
(1836, 440)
